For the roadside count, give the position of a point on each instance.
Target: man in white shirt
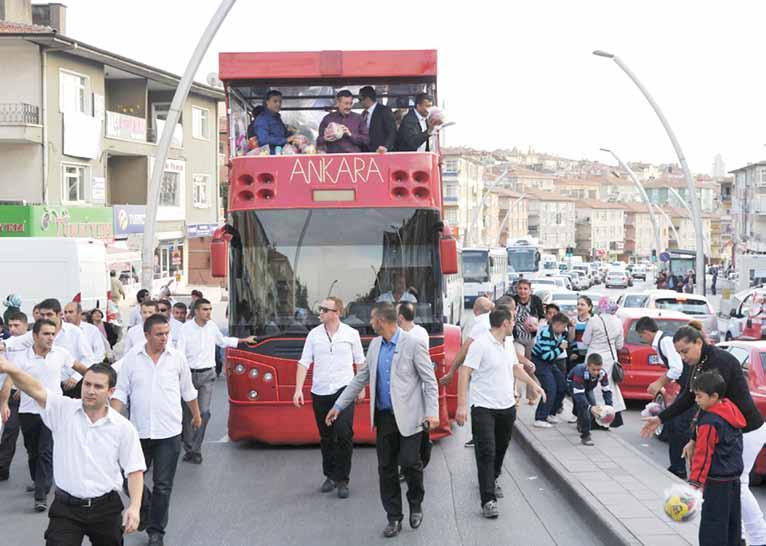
(95, 445)
(180, 311)
(406, 321)
(198, 340)
(398, 292)
(135, 312)
(45, 363)
(152, 380)
(10, 399)
(96, 342)
(68, 337)
(481, 309)
(333, 348)
(492, 370)
(165, 308)
(135, 335)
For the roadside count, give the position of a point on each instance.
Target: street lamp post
(642, 192)
(695, 205)
(176, 106)
(468, 236)
(674, 193)
(508, 215)
(670, 223)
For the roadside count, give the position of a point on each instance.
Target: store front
(56, 221)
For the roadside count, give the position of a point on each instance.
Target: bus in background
(365, 227)
(453, 294)
(523, 256)
(485, 273)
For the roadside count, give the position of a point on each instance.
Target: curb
(607, 526)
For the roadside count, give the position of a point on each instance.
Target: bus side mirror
(219, 252)
(448, 253)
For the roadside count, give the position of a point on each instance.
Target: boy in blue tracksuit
(550, 344)
(581, 381)
(716, 465)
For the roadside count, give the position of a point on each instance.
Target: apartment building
(462, 180)
(599, 228)
(748, 207)
(79, 128)
(551, 220)
(707, 192)
(513, 215)
(639, 232)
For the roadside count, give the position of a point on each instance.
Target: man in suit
(416, 127)
(381, 125)
(403, 396)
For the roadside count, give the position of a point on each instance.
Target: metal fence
(12, 113)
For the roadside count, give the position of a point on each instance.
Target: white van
(67, 269)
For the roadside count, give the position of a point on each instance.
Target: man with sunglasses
(333, 348)
(164, 308)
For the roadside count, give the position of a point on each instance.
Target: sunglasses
(164, 309)
(326, 309)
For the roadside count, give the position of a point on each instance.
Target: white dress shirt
(199, 342)
(333, 357)
(47, 370)
(675, 364)
(135, 337)
(89, 458)
(175, 330)
(95, 340)
(370, 110)
(492, 381)
(153, 390)
(135, 316)
(480, 326)
(420, 333)
(423, 127)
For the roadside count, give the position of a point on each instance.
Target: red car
(641, 363)
(752, 357)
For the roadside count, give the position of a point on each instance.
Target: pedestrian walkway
(618, 486)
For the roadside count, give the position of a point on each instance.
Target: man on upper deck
(416, 128)
(380, 121)
(354, 138)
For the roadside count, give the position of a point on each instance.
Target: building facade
(748, 207)
(551, 220)
(599, 228)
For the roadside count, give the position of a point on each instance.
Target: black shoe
(29, 488)
(469, 443)
(392, 529)
(416, 518)
(188, 457)
(489, 510)
(196, 458)
(156, 540)
(343, 491)
(681, 475)
(327, 486)
(586, 440)
(41, 506)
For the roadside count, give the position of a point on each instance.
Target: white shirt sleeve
(474, 356)
(223, 341)
(307, 356)
(129, 339)
(131, 457)
(188, 392)
(122, 392)
(357, 350)
(55, 405)
(675, 364)
(19, 342)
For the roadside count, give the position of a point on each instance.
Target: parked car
(566, 279)
(748, 316)
(556, 281)
(641, 363)
(752, 358)
(639, 272)
(567, 301)
(695, 306)
(595, 272)
(584, 270)
(637, 299)
(616, 278)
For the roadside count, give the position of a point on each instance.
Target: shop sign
(45, 221)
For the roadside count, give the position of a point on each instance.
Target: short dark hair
(42, 322)
(505, 300)
(52, 304)
(149, 303)
(165, 302)
(595, 358)
(552, 306)
(272, 93)
(407, 311)
(386, 312)
(368, 92)
(499, 316)
(343, 93)
(112, 273)
(196, 293)
(141, 294)
(105, 370)
(709, 383)
(180, 305)
(522, 280)
(688, 334)
(153, 321)
(561, 318)
(202, 301)
(647, 324)
(18, 315)
(420, 98)
(36, 308)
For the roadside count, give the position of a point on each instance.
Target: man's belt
(71, 500)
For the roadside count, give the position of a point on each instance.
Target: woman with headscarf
(704, 357)
(604, 336)
(12, 305)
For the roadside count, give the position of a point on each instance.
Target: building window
(200, 123)
(168, 259)
(73, 93)
(200, 189)
(169, 189)
(450, 166)
(74, 177)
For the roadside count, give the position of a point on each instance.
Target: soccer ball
(682, 503)
(605, 415)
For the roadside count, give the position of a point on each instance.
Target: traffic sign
(664, 257)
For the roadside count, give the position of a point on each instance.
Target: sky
(510, 73)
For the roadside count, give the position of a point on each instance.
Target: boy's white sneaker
(572, 419)
(552, 419)
(543, 424)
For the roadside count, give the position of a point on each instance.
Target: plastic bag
(652, 409)
(682, 502)
(300, 142)
(334, 131)
(289, 149)
(437, 115)
(604, 415)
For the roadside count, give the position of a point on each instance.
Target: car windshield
(634, 300)
(284, 263)
(565, 297)
(475, 266)
(690, 307)
(668, 326)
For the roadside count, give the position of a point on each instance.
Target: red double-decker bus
(306, 226)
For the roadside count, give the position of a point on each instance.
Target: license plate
(654, 360)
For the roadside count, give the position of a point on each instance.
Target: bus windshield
(475, 266)
(523, 260)
(284, 263)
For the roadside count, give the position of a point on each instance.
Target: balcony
(758, 205)
(20, 123)
(125, 127)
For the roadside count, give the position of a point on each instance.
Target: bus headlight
(253, 373)
(239, 369)
(268, 377)
(252, 395)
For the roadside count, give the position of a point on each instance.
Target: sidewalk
(619, 488)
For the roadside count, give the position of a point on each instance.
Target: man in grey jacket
(404, 403)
